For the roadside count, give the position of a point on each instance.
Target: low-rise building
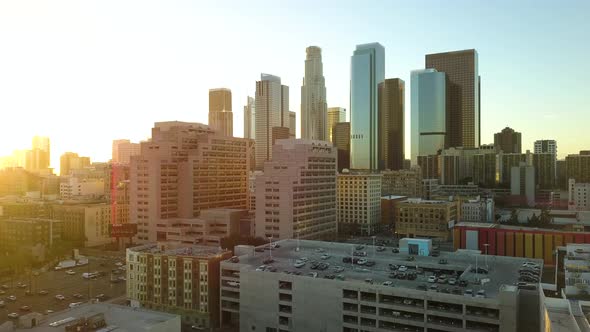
(86, 223)
(277, 296)
(33, 235)
(425, 218)
(359, 202)
(479, 209)
(388, 211)
(74, 188)
(178, 279)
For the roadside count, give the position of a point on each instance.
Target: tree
(545, 218)
(513, 217)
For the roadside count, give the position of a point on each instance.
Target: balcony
(285, 309)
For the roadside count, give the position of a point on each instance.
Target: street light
(486, 245)
(270, 246)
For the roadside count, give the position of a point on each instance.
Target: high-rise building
(577, 166)
(430, 166)
(41, 151)
(292, 124)
(72, 161)
(508, 141)
(250, 119)
(485, 169)
(544, 164)
(505, 163)
(405, 182)
(546, 146)
(522, 183)
(429, 113)
(123, 150)
(341, 141)
(359, 202)
(296, 195)
(463, 85)
(314, 118)
(185, 168)
(221, 117)
(391, 123)
(335, 115)
(272, 110)
(367, 71)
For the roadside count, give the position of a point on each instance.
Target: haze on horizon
(87, 72)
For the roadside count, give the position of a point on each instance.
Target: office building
(221, 117)
(404, 182)
(75, 188)
(183, 169)
(388, 203)
(272, 110)
(426, 218)
(430, 166)
(262, 300)
(544, 164)
(391, 93)
(359, 202)
(37, 159)
(341, 141)
(479, 209)
(123, 150)
(367, 71)
(72, 161)
(84, 223)
(175, 278)
(296, 194)
(578, 196)
(522, 183)
(508, 141)
(292, 124)
(429, 118)
(430, 188)
(34, 235)
(485, 168)
(546, 146)
(505, 163)
(250, 119)
(335, 115)
(463, 85)
(577, 166)
(560, 174)
(314, 117)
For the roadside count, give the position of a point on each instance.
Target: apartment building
(359, 202)
(86, 223)
(425, 218)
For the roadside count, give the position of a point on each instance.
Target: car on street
(118, 264)
(70, 272)
(75, 304)
(25, 308)
(49, 311)
(60, 297)
(395, 250)
(432, 279)
(19, 285)
(387, 283)
(325, 256)
(402, 268)
(101, 297)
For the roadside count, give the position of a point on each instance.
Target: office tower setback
(185, 168)
(123, 150)
(296, 195)
(508, 141)
(221, 117)
(463, 85)
(429, 119)
(341, 141)
(272, 110)
(292, 124)
(314, 121)
(250, 119)
(335, 115)
(391, 94)
(359, 202)
(367, 71)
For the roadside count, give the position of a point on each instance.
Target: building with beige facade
(123, 150)
(296, 195)
(335, 115)
(85, 223)
(179, 279)
(75, 188)
(425, 218)
(221, 117)
(184, 169)
(404, 182)
(359, 202)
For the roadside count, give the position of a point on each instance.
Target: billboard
(123, 230)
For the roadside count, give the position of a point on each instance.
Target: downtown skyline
(84, 110)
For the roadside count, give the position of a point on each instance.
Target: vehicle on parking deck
(75, 304)
(60, 297)
(2, 304)
(380, 248)
(25, 308)
(325, 256)
(388, 283)
(299, 263)
(370, 263)
(338, 269)
(362, 261)
(5, 287)
(70, 272)
(402, 268)
(432, 279)
(11, 298)
(43, 292)
(13, 315)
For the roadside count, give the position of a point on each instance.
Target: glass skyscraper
(429, 112)
(367, 70)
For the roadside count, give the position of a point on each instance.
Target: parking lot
(60, 283)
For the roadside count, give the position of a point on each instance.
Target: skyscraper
(366, 72)
(38, 157)
(341, 141)
(463, 83)
(508, 141)
(72, 161)
(221, 117)
(123, 150)
(429, 113)
(391, 124)
(250, 119)
(313, 97)
(272, 110)
(546, 146)
(335, 115)
(292, 124)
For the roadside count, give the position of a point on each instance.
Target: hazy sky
(87, 72)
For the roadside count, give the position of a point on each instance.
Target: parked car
(481, 293)
(380, 248)
(11, 298)
(432, 279)
(468, 293)
(402, 268)
(395, 250)
(75, 304)
(388, 283)
(60, 297)
(43, 292)
(312, 274)
(370, 263)
(299, 263)
(2, 304)
(70, 272)
(77, 296)
(362, 261)
(25, 308)
(435, 253)
(338, 269)
(259, 249)
(452, 281)
(325, 256)
(13, 315)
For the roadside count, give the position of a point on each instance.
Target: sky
(87, 72)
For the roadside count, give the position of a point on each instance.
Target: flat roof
(176, 249)
(514, 227)
(502, 270)
(124, 318)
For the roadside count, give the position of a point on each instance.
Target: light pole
(486, 245)
(297, 249)
(270, 246)
(373, 246)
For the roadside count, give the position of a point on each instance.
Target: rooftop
(122, 317)
(502, 270)
(174, 249)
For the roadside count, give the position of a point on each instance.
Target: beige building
(359, 202)
(123, 150)
(405, 182)
(577, 166)
(85, 223)
(250, 119)
(75, 188)
(292, 125)
(184, 169)
(335, 115)
(221, 117)
(296, 195)
(425, 218)
(71, 161)
(177, 279)
(579, 196)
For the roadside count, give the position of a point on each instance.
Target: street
(59, 282)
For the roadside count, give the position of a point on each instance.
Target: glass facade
(367, 71)
(428, 118)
